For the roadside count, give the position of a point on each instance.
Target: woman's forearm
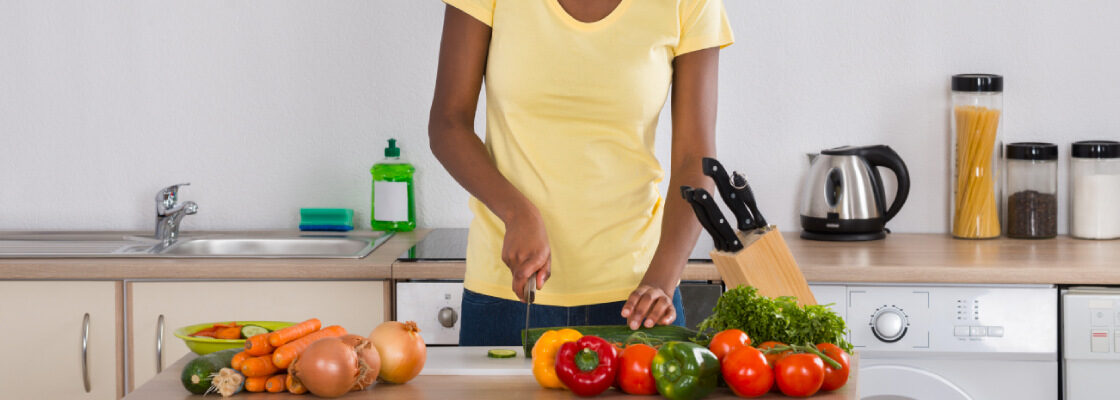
(467, 160)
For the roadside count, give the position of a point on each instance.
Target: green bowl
(204, 345)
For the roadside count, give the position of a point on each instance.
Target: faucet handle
(169, 196)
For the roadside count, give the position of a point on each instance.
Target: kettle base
(843, 237)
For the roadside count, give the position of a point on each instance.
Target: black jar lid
(977, 83)
(1096, 149)
(1032, 151)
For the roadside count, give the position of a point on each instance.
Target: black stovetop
(451, 245)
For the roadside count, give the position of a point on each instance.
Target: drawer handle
(159, 344)
(85, 352)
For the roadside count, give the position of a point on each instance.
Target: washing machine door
(901, 382)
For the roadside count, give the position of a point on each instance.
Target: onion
(333, 366)
(402, 350)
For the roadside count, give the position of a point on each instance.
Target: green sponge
(326, 219)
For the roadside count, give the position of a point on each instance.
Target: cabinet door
(42, 327)
(358, 306)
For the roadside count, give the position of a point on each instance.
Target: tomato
(745, 370)
(772, 358)
(634, 376)
(728, 340)
(799, 375)
(835, 378)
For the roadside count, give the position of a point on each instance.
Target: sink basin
(191, 245)
(281, 247)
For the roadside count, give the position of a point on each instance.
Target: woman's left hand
(647, 306)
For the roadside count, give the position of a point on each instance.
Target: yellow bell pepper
(544, 356)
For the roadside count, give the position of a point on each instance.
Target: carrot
(232, 332)
(258, 345)
(255, 384)
(294, 385)
(258, 366)
(238, 359)
(284, 355)
(282, 336)
(275, 383)
(205, 332)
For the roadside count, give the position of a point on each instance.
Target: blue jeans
(494, 321)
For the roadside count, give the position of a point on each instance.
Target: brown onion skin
(332, 367)
(397, 342)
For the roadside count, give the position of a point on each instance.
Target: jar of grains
(1032, 190)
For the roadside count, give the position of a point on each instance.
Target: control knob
(889, 324)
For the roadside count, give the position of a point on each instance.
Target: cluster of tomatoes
(794, 370)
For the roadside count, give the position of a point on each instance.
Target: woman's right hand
(525, 250)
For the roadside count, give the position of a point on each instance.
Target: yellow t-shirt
(571, 112)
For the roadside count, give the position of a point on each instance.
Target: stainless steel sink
(188, 245)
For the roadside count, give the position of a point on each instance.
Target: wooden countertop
(166, 385)
(901, 258)
(377, 265)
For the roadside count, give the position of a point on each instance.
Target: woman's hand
(647, 306)
(525, 250)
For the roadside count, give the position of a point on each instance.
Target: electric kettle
(843, 196)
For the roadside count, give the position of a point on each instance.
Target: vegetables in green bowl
(203, 345)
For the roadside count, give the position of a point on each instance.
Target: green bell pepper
(685, 371)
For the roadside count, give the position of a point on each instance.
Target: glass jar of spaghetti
(975, 145)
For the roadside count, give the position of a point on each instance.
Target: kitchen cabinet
(45, 326)
(157, 309)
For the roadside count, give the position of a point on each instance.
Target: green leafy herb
(780, 319)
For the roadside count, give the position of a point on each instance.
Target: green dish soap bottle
(393, 207)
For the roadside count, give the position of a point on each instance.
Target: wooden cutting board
(765, 263)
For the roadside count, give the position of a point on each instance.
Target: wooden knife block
(765, 263)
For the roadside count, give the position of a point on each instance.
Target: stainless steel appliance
(843, 197)
(435, 305)
(952, 342)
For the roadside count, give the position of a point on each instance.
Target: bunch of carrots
(266, 357)
(221, 331)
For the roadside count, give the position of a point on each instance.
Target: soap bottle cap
(392, 150)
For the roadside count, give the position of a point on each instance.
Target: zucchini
(249, 331)
(200, 371)
(612, 333)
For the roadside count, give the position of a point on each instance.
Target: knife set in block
(755, 254)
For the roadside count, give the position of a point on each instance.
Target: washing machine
(951, 342)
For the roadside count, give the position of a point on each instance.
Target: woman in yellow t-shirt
(564, 189)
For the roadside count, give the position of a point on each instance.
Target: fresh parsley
(780, 319)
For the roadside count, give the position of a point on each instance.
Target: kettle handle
(884, 156)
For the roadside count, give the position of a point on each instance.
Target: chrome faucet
(169, 213)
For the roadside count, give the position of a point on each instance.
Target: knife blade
(707, 206)
(530, 293)
(702, 216)
(743, 189)
(744, 218)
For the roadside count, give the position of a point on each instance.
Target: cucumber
(612, 333)
(249, 331)
(198, 373)
(501, 353)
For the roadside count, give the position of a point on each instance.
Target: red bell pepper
(587, 366)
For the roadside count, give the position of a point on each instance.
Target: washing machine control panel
(889, 324)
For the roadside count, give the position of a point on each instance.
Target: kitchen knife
(717, 239)
(530, 293)
(707, 205)
(743, 216)
(744, 192)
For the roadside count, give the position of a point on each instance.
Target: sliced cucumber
(501, 353)
(249, 331)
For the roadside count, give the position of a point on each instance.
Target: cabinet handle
(85, 352)
(159, 344)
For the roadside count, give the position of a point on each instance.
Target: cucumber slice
(249, 331)
(501, 353)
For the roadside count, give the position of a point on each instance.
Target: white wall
(268, 106)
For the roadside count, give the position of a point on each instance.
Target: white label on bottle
(390, 201)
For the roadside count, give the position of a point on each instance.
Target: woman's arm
(695, 79)
(462, 63)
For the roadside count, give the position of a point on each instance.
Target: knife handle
(744, 217)
(717, 240)
(743, 188)
(715, 218)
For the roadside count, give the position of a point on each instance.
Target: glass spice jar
(1032, 190)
